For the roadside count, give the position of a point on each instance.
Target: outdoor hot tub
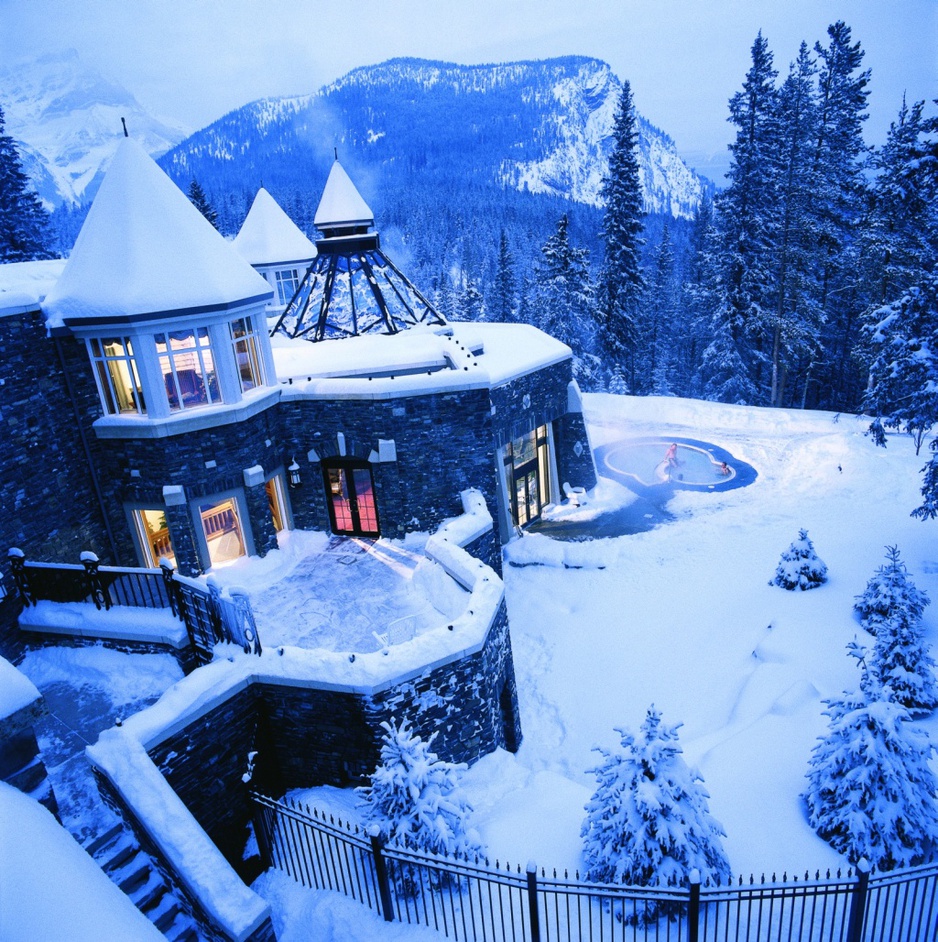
(648, 464)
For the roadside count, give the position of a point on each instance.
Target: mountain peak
(65, 116)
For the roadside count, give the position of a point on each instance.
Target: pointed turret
(145, 250)
(352, 287)
(342, 210)
(270, 238)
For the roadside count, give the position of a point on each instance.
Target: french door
(350, 496)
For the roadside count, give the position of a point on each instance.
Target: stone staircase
(119, 855)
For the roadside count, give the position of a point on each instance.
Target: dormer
(172, 316)
(272, 243)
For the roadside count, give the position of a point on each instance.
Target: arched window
(350, 496)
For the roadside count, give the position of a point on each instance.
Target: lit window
(188, 368)
(154, 536)
(287, 282)
(116, 372)
(247, 354)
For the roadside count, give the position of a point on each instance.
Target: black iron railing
(470, 900)
(209, 614)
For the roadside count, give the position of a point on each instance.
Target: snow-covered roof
(51, 888)
(23, 285)
(419, 361)
(146, 250)
(269, 235)
(341, 203)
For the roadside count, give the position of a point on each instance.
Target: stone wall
(21, 764)
(443, 444)
(48, 504)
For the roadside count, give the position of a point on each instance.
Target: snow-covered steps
(119, 855)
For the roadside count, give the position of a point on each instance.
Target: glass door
(154, 537)
(527, 469)
(351, 498)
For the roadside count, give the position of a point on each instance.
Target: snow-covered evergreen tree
(649, 820)
(24, 222)
(903, 391)
(794, 315)
(889, 590)
(502, 305)
(800, 567)
(414, 797)
(871, 791)
(565, 304)
(839, 204)
(622, 281)
(747, 213)
(200, 201)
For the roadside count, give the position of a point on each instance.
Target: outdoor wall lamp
(293, 471)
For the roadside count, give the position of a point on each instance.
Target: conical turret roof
(269, 235)
(341, 204)
(145, 250)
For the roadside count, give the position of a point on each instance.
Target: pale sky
(191, 61)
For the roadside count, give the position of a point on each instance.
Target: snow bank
(48, 883)
(17, 691)
(119, 623)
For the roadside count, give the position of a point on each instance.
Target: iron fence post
(17, 560)
(858, 902)
(693, 906)
(260, 832)
(93, 580)
(381, 872)
(171, 591)
(532, 902)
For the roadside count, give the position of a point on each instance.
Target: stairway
(119, 855)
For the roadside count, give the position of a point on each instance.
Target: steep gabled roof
(341, 203)
(144, 250)
(269, 235)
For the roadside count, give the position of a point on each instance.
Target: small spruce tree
(871, 791)
(198, 199)
(414, 797)
(800, 567)
(889, 590)
(648, 820)
(902, 663)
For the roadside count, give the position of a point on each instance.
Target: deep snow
(682, 616)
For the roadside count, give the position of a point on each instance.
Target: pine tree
(414, 797)
(871, 792)
(621, 280)
(565, 291)
(746, 216)
(799, 566)
(900, 231)
(795, 315)
(839, 201)
(661, 316)
(198, 199)
(502, 308)
(903, 391)
(889, 590)
(24, 223)
(649, 820)
(902, 662)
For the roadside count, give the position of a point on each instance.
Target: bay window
(188, 368)
(247, 353)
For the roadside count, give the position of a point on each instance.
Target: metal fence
(477, 901)
(210, 615)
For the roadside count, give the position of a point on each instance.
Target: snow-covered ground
(681, 616)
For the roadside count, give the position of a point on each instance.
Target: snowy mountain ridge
(66, 119)
(575, 100)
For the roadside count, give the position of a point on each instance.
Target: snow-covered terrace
(418, 361)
